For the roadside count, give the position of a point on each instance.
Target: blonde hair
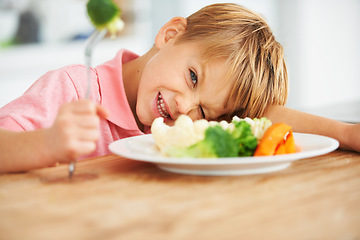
(255, 60)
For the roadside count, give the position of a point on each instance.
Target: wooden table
(117, 198)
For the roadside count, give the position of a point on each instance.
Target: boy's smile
(161, 108)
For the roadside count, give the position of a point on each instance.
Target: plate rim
(333, 145)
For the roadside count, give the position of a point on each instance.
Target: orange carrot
(271, 139)
(290, 143)
(286, 146)
(281, 148)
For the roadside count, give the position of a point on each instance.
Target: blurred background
(321, 39)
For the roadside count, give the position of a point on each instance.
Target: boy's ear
(170, 30)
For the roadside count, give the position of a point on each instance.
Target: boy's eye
(193, 77)
(194, 80)
(202, 112)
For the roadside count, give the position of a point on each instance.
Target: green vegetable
(220, 143)
(104, 14)
(245, 139)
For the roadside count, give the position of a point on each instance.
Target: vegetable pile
(105, 14)
(241, 137)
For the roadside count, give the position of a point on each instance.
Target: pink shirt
(38, 106)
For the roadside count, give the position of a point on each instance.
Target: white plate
(143, 148)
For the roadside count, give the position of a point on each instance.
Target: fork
(90, 44)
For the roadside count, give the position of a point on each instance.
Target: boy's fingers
(91, 120)
(89, 107)
(88, 135)
(84, 107)
(76, 129)
(86, 147)
(87, 121)
(102, 112)
(79, 149)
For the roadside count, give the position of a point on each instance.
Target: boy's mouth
(161, 107)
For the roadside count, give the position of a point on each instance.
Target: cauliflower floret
(160, 132)
(184, 133)
(258, 126)
(224, 124)
(199, 127)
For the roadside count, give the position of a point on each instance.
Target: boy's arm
(73, 134)
(347, 134)
(21, 151)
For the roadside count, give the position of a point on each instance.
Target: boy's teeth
(161, 107)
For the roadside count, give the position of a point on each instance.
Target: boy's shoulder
(73, 68)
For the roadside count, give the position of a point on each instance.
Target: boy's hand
(75, 130)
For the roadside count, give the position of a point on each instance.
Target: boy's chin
(142, 121)
(146, 121)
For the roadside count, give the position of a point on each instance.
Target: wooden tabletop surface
(116, 198)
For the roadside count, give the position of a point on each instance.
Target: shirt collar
(112, 92)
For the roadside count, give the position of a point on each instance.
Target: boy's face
(175, 81)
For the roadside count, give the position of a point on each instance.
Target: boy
(219, 62)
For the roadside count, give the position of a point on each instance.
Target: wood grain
(117, 198)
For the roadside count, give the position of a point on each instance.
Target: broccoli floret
(104, 14)
(244, 138)
(217, 143)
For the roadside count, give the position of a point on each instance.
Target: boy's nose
(186, 104)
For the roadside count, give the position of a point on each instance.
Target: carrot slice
(286, 146)
(290, 143)
(271, 139)
(281, 148)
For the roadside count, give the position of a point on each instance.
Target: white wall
(322, 43)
